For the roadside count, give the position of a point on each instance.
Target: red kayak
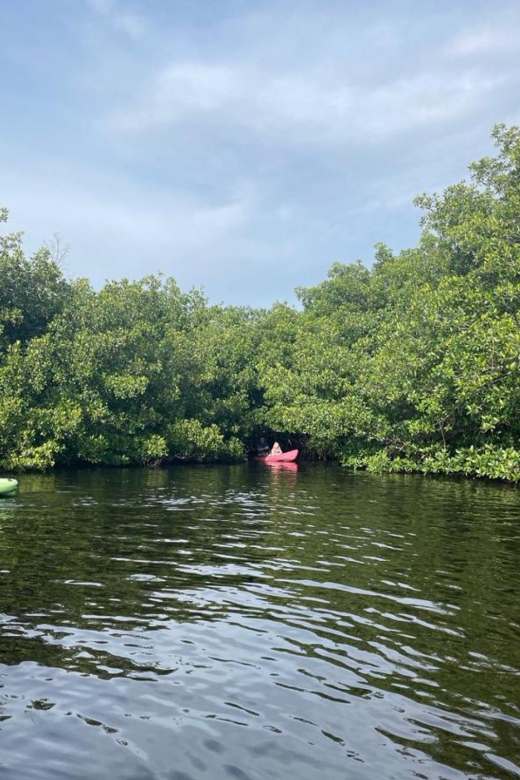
(282, 457)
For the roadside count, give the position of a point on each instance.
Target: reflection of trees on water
(363, 561)
(124, 549)
(412, 562)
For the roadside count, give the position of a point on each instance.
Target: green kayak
(7, 486)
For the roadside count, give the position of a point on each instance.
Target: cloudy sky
(243, 146)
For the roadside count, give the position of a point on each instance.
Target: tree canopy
(410, 365)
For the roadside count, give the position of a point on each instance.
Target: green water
(247, 622)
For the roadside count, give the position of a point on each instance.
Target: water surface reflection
(247, 622)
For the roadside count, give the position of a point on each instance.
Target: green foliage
(412, 365)
(409, 365)
(32, 292)
(190, 440)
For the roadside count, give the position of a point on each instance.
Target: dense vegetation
(412, 365)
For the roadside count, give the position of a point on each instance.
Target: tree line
(410, 365)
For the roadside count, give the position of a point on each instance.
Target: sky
(243, 147)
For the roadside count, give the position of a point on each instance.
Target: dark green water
(242, 622)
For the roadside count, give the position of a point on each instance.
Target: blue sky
(243, 147)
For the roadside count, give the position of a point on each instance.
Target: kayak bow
(7, 486)
(282, 457)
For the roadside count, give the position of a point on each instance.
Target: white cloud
(252, 146)
(483, 41)
(425, 100)
(132, 24)
(102, 7)
(293, 108)
(102, 216)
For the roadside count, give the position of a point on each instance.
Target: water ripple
(239, 622)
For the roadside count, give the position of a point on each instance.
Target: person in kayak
(262, 446)
(276, 449)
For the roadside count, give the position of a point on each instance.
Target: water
(246, 622)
